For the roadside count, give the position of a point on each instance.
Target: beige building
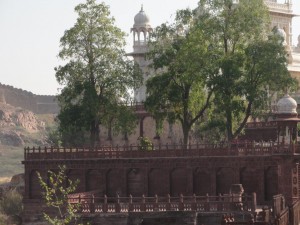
(282, 17)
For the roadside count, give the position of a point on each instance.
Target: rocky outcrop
(19, 126)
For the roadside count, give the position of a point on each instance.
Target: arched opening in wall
(270, 183)
(35, 189)
(178, 182)
(142, 37)
(250, 178)
(224, 180)
(135, 184)
(201, 182)
(158, 182)
(94, 181)
(114, 183)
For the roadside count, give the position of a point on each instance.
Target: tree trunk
(94, 133)
(229, 125)
(186, 132)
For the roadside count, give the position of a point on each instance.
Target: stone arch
(178, 182)
(114, 183)
(271, 184)
(94, 180)
(224, 179)
(249, 178)
(158, 182)
(201, 182)
(35, 189)
(135, 182)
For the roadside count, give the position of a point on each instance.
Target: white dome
(141, 20)
(287, 105)
(280, 32)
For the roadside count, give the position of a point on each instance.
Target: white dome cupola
(287, 105)
(141, 20)
(141, 31)
(281, 33)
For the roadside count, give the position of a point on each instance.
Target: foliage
(3, 219)
(54, 136)
(56, 197)
(97, 75)
(11, 206)
(180, 88)
(251, 62)
(145, 144)
(124, 121)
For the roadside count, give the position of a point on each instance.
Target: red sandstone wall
(40, 104)
(170, 176)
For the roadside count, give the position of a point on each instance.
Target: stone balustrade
(282, 7)
(131, 151)
(91, 204)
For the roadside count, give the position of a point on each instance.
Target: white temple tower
(141, 31)
(281, 14)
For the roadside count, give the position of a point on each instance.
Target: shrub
(11, 203)
(145, 144)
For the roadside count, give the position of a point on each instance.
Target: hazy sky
(31, 29)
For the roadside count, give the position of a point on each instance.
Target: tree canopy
(181, 89)
(221, 54)
(96, 76)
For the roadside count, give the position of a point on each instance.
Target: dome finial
(142, 8)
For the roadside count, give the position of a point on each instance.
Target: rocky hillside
(20, 128)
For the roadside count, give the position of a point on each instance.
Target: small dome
(287, 105)
(280, 32)
(141, 20)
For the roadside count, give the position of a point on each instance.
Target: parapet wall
(39, 104)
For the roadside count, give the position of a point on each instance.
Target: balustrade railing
(131, 151)
(279, 6)
(226, 203)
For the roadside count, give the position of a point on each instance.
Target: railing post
(253, 208)
(117, 206)
(105, 207)
(92, 205)
(155, 207)
(130, 207)
(168, 206)
(143, 206)
(194, 204)
(181, 205)
(206, 204)
(220, 203)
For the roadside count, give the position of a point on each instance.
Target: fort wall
(39, 104)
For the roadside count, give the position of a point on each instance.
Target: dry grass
(10, 161)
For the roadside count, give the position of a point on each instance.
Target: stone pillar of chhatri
(141, 31)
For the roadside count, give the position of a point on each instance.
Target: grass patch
(10, 161)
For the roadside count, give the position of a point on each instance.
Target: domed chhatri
(287, 105)
(281, 32)
(141, 20)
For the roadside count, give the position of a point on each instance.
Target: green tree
(251, 62)
(11, 207)
(56, 197)
(96, 76)
(180, 89)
